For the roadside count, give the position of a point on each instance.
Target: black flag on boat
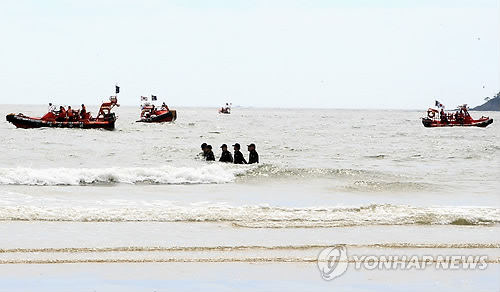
(153, 98)
(117, 89)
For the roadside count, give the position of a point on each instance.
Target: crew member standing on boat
(210, 155)
(62, 114)
(83, 112)
(443, 116)
(70, 113)
(226, 155)
(253, 156)
(164, 106)
(52, 107)
(238, 156)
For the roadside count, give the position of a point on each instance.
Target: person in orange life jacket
(83, 111)
(69, 112)
(62, 114)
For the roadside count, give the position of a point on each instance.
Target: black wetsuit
(238, 157)
(210, 156)
(253, 157)
(226, 156)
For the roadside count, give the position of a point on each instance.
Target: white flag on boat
(144, 98)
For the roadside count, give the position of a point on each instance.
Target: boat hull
(431, 123)
(21, 121)
(169, 116)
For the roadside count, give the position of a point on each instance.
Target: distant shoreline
(491, 105)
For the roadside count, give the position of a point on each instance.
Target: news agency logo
(333, 262)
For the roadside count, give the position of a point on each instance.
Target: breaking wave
(213, 173)
(259, 216)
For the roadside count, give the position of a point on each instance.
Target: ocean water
(369, 179)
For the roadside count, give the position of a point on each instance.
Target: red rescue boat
(458, 118)
(151, 114)
(76, 119)
(225, 109)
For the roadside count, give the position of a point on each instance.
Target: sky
(386, 54)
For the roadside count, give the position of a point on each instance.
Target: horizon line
(235, 106)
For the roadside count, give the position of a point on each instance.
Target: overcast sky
(311, 53)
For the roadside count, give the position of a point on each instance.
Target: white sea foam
(355, 180)
(257, 216)
(213, 173)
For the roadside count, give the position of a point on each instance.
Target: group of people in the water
(69, 114)
(226, 155)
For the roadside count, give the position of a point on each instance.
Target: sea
(371, 180)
